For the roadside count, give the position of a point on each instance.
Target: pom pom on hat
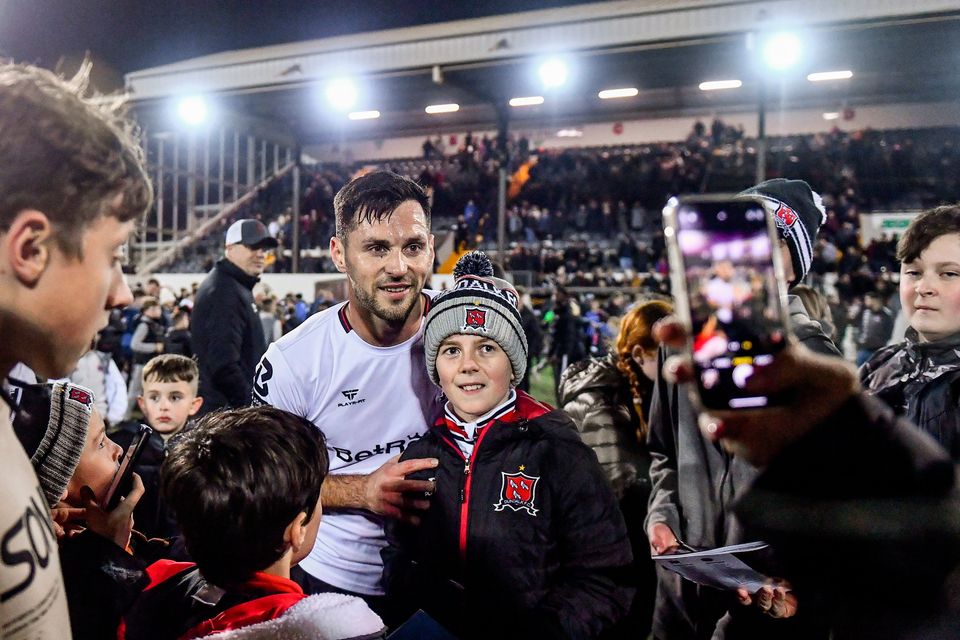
(475, 263)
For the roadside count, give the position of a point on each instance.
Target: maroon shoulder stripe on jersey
(344, 322)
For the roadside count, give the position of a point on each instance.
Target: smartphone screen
(123, 479)
(733, 295)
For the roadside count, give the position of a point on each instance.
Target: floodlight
(364, 115)
(553, 72)
(443, 108)
(715, 85)
(831, 115)
(528, 101)
(192, 110)
(782, 50)
(626, 92)
(570, 133)
(824, 76)
(341, 93)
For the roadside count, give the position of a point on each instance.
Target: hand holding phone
(123, 479)
(728, 280)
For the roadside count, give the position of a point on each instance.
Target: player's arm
(386, 491)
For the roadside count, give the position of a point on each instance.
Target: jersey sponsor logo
(260, 379)
(517, 491)
(351, 396)
(27, 545)
(391, 448)
(475, 319)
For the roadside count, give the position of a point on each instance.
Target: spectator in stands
(567, 337)
(609, 400)
(694, 483)
(558, 574)
(146, 342)
(240, 585)
(378, 398)
(918, 377)
(72, 185)
(272, 328)
(97, 371)
(530, 321)
(874, 325)
(227, 333)
(178, 339)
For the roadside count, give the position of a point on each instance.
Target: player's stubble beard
(394, 315)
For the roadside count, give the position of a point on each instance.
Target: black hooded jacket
(227, 336)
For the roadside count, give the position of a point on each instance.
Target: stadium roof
(898, 50)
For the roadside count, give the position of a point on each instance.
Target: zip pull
(466, 467)
(463, 485)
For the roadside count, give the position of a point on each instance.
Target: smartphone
(123, 479)
(728, 280)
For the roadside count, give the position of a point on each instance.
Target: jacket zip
(465, 487)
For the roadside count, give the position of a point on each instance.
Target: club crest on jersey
(517, 492)
(475, 319)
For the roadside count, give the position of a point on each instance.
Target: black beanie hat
(798, 213)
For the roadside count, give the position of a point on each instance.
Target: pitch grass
(541, 386)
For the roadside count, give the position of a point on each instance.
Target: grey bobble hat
(478, 304)
(798, 213)
(51, 423)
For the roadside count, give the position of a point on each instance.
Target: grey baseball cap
(250, 233)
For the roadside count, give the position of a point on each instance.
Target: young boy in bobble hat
(523, 536)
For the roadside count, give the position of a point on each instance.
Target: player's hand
(815, 385)
(115, 525)
(775, 601)
(389, 493)
(662, 539)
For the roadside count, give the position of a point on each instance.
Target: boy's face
(167, 406)
(930, 289)
(475, 374)
(98, 463)
(69, 298)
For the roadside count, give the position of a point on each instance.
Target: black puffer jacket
(227, 337)
(920, 381)
(551, 566)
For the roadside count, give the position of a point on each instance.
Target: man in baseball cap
(227, 336)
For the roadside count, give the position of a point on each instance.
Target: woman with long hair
(609, 400)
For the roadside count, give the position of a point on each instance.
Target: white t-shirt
(33, 603)
(370, 402)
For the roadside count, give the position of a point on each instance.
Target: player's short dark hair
(374, 197)
(925, 228)
(65, 156)
(236, 481)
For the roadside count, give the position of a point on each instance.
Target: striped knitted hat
(51, 424)
(798, 213)
(478, 304)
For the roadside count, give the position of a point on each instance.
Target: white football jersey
(370, 402)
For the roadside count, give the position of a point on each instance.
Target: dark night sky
(126, 35)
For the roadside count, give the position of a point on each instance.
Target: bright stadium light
(528, 101)
(192, 110)
(716, 85)
(782, 51)
(825, 76)
(553, 73)
(442, 108)
(610, 94)
(341, 93)
(364, 115)
(831, 115)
